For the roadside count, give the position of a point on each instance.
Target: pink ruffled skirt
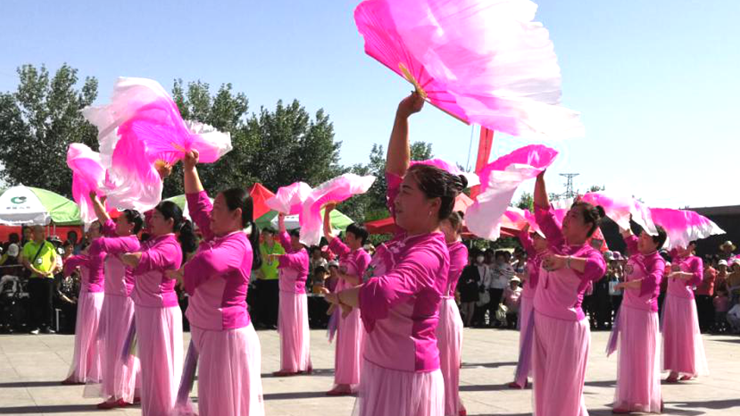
(386, 392)
(449, 341)
(683, 347)
(348, 355)
(560, 356)
(86, 367)
(121, 379)
(638, 368)
(160, 349)
(294, 333)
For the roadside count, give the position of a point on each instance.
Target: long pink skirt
(683, 347)
(229, 365)
(348, 351)
(159, 345)
(385, 392)
(85, 367)
(638, 368)
(449, 342)
(560, 357)
(121, 380)
(294, 332)
(526, 309)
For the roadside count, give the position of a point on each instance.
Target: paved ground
(32, 366)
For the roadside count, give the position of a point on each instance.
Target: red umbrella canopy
(260, 194)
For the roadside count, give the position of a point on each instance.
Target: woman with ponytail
(450, 329)
(158, 318)
(399, 303)
(561, 332)
(216, 279)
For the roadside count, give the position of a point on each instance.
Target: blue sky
(656, 80)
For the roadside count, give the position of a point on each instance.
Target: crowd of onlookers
(489, 290)
(36, 296)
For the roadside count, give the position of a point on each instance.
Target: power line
(569, 191)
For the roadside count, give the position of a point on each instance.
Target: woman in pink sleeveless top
(399, 304)
(353, 261)
(561, 332)
(295, 335)
(637, 326)
(683, 347)
(217, 278)
(450, 328)
(121, 378)
(85, 367)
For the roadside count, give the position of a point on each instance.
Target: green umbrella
(21, 205)
(339, 221)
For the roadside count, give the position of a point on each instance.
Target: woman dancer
(535, 245)
(561, 331)
(638, 371)
(216, 279)
(157, 313)
(295, 355)
(450, 328)
(683, 348)
(121, 378)
(85, 366)
(353, 260)
(399, 305)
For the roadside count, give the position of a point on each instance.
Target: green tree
(38, 122)
(526, 201)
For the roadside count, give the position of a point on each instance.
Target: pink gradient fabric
(683, 226)
(289, 199)
(481, 61)
(499, 181)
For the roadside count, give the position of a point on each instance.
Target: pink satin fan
(499, 180)
(621, 208)
(335, 190)
(683, 226)
(289, 199)
(481, 61)
(88, 174)
(141, 129)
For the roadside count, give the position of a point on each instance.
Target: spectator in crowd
(600, 303)
(331, 282)
(13, 238)
(720, 280)
(73, 238)
(317, 260)
(703, 295)
(615, 274)
(39, 257)
(721, 306)
(733, 282)
(469, 284)
(512, 298)
(267, 283)
(501, 273)
(727, 251)
(318, 279)
(27, 233)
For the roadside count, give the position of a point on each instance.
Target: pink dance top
(399, 304)
(119, 279)
(293, 267)
(534, 261)
(217, 277)
(153, 289)
(646, 267)
(458, 261)
(92, 276)
(351, 262)
(684, 288)
(560, 293)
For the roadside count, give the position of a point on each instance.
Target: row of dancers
(399, 331)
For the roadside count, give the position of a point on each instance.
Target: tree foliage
(38, 122)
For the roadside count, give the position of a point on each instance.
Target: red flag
(485, 144)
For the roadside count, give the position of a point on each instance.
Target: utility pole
(569, 191)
